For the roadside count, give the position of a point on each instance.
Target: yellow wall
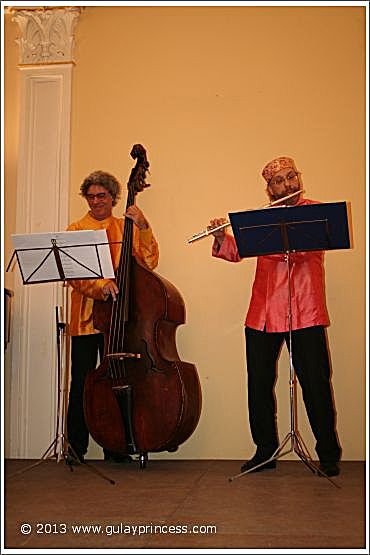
(213, 93)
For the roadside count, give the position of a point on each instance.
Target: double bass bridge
(122, 356)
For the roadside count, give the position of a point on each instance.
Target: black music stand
(284, 230)
(47, 257)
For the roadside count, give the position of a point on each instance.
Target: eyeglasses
(100, 196)
(279, 180)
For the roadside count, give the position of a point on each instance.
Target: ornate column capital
(47, 34)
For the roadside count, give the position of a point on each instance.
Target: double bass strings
(120, 307)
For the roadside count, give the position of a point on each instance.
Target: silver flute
(207, 232)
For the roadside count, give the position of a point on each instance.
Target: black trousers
(84, 357)
(312, 367)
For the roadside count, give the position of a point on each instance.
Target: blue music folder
(308, 227)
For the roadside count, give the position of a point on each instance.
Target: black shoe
(256, 461)
(329, 468)
(116, 457)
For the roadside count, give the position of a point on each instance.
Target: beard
(295, 192)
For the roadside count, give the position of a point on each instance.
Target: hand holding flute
(217, 228)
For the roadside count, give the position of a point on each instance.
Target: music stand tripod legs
(293, 437)
(60, 448)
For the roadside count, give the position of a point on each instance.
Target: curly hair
(106, 180)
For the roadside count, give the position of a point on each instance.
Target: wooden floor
(188, 505)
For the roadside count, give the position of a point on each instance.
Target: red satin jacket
(269, 302)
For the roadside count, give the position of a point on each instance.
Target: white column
(42, 205)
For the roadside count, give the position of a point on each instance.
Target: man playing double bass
(101, 191)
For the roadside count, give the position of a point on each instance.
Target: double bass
(142, 398)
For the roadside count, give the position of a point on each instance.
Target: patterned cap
(276, 165)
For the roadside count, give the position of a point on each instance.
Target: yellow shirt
(84, 292)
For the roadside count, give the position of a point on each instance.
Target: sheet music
(80, 253)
